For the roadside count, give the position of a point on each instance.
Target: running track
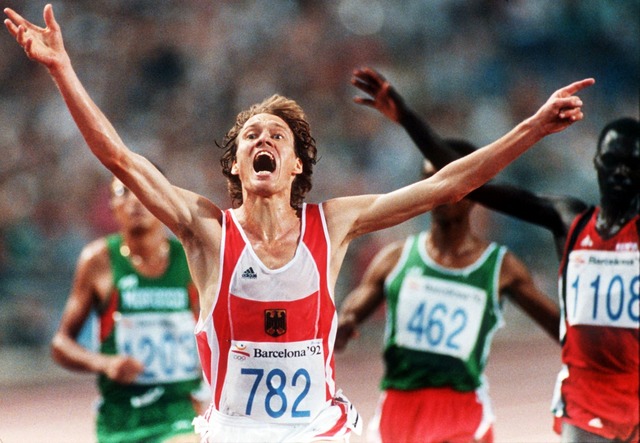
(42, 403)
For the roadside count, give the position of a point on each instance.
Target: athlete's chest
(624, 241)
(602, 279)
(274, 248)
(251, 279)
(276, 253)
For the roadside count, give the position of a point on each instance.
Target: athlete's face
(618, 165)
(452, 212)
(129, 212)
(266, 161)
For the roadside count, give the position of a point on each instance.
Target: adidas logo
(586, 242)
(596, 423)
(249, 273)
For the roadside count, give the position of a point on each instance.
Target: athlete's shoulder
(94, 259)
(95, 249)
(173, 240)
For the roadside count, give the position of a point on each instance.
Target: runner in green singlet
(139, 284)
(443, 290)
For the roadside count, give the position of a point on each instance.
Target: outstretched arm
(195, 220)
(365, 299)
(359, 215)
(171, 205)
(553, 213)
(381, 95)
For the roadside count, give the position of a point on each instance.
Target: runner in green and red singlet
(138, 283)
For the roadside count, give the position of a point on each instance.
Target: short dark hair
(626, 126)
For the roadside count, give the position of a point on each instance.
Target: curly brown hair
(304, 146)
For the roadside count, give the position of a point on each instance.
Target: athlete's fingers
(364, 73)
(15, 18)
(567, 102)
(13, 21)
(575, 87)
(364, 85)
(573, 114)
(364, 101)
(368, 76)
(11, 27)
(358, 82)
(22, 38)
(373, 76)
(49, 18)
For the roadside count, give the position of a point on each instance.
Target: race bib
(163, 342)
(439, 316)
(603, 288)
(275, 382)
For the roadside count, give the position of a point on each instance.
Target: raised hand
(563, 108)
(43, 45)
(382, 96)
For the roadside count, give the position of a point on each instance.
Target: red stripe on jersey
(194, 301)
(249, 324)
(204, 351)
(107, 321)
(233, 245)
(318, 246)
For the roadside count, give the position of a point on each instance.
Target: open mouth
(264, 162)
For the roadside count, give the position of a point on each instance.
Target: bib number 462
(436, 324)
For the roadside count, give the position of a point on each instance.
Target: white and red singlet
(267, 347)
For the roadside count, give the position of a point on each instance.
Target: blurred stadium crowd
(172, 75)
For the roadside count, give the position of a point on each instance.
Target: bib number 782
(275, 401)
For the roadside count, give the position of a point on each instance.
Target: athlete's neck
(453, 244)
(147, 251)
(613, 215)
(267, 220)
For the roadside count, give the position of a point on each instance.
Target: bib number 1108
(608, 301)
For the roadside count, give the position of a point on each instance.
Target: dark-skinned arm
(552, 213)
(368, 296)
(518, 284)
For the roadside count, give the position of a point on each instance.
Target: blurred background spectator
(172, 75)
